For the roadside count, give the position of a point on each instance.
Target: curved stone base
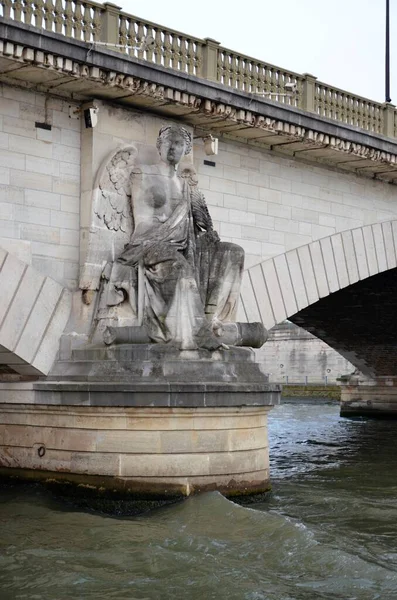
(143, 452)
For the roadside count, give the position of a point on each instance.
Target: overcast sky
(340, 41)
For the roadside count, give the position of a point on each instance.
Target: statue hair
(168, 129)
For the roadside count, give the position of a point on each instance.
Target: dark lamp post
(387, 56)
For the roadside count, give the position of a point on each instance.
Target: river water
(328, 530)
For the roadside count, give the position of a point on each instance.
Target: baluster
(223, 57)
(132, 36)
(87, 23)
(190, 57)
(273, 82)
(259, 83)
(49, 15)
(123, 38)
(96, 24)
(158, 48)
(28, 11)
(61, 19)
(39, 13)
(197, 58)
(7, 8)
(322, 101)
(149, 51)
(183, 55)
(226, 68)
(175, 52)
(167, 49)
(78, 17)
(18, 10)
(247, 75)
(140, 35)
(239, 66)
(353, 111)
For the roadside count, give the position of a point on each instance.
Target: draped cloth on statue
(190, 279)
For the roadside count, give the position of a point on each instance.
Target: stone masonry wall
(40, 182)
(259, 199)
(269, 203)
(293, 355)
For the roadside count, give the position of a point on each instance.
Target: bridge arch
(283, 285)
(341, 288)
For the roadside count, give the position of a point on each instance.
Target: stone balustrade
(107, 24)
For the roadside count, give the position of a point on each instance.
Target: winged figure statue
(156, 259)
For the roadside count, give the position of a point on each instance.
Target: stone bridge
(304, 179)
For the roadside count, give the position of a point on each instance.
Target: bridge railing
(91, 22)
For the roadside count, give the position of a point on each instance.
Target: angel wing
(111, 222)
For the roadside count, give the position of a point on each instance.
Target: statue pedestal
(148, 421)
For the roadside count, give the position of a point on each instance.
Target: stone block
(4, 176)
(42, 199)
(18, 248)
(32, 214)
(69, 237)
(50, 343)
(26, 145)
(12, 160)
(70, 137)
(65, 220)
(38, 320)
(70, 204)
(56, 251)
(220, 185)
(32, 181)
(9, 107)
(18, 126)
(50, 267)
(42, 165)
(66, 120)
(277, 183)
(39, 233)
(340, 260)
(278, 210)
(4, 140)
(257, 206)
(66, 186)
(231, 230)
(11, 273)
(6, 211)
(19, 309)
(320, 231)
(242, 217)
(235, 202)
(66, 154)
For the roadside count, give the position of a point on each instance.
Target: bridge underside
(359, 322)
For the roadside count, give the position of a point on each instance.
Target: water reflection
(329, 529)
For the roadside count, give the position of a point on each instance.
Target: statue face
(172, 147)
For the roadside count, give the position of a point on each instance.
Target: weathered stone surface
(155, 452)
(166, 270)
(33, 314)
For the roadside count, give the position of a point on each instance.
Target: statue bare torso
(156, 191)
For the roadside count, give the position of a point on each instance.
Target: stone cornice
(82, 71)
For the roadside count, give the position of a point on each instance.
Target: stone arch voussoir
(281, 286)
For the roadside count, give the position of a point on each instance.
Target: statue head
(173, 143)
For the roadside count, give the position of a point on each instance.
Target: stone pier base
(144, 452)
(372, 398)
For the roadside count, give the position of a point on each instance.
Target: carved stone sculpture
(168, 274)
